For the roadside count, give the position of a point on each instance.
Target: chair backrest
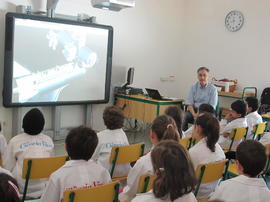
(145, 183)
(267, 165)
(267, 149)
(185, 142)
(42, 167)
(209, 172)
(103, 193)
(125, 154)
(237, 134)
(38, 168)
(259, 129)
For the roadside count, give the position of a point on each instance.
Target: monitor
(50, 61)
(130, 76)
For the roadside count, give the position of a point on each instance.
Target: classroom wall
(242, 55)
(147, 37)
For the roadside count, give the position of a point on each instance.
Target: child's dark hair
(239, 107)
(33, 122)
(210, 129)
(252, 156)
(81, 143)
(9, 190)
(253, 103)
(113, 117)
(177, 114)
(165, 128)
(174, 170)
(206, 108)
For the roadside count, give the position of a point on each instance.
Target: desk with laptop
(145, 108)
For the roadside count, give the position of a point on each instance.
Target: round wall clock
(234, 21)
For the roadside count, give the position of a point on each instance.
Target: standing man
(202, 92)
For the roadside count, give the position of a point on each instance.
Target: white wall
(242, 55)
(147, 37)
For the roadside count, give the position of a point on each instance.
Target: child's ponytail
(210, 129)
(171, 133)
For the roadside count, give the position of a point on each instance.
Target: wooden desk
(240, 95)
(143, 108)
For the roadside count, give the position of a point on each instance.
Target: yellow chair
(266, 170)
(266, 117)
(259, 130)
(125, 154)
(145, 183)
(202, 199)
(267, 149)
(236, 134)
(186, 142)
(39, 168)
(210, 172)
(232, 170)
(103, 193)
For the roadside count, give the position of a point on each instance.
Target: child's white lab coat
(265, 138)
(227, 128)
(149, 197)
(201, 154)
(142, 166)
(106, 140)
(2, 170)
(242, 189)
(188, 132)
(75, 174)
(253, 118)
(27, 146)
(3, 146)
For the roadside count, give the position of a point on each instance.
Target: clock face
(234, 21)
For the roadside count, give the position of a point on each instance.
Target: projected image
(58, 62)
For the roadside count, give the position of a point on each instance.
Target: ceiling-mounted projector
(113, 5)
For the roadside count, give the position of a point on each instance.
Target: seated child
(30, 144)
(207, 150)
(234, 119)
(163, 127)
(3, 144)
(177, 114)
(113, 136)
(79, 172)
(175, 176)
(9, 191)
(247, 187)
(202, 109)
(252, 117)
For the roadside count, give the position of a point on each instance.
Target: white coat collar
(252, 114)
(72, 163)
(258, 182)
